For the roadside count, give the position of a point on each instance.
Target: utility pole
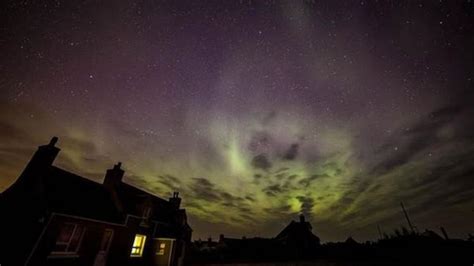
(406, 216)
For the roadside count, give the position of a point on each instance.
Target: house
(205, 246)
(50, 216)
(298, 237)
(295, 242)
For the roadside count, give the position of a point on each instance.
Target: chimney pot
(302, 220)
(175, 200)
(53, 141)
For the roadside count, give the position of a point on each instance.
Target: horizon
(214, 238)
(255, 111)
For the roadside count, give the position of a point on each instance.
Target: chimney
(302, 220)
(114, 176)
(43, 158)
(175, 201)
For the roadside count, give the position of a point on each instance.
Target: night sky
(255, 111)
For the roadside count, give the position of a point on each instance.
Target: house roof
(296, 231)
(69, 193)
(45, 187)
(351, 241)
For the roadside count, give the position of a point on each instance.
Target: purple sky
(255, 111)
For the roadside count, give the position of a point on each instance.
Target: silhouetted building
(297, 245)
(50, 216)
(299, 236)
(205, 246)
(351, 241)
(294, 242)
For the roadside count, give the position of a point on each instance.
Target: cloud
(260, 142)
(334, 188)
(308, 180)
(278, 211)
(427, 164)
(170, 182)
(204, 189)
(208, 191)
(261, 162)
(292, 152)
(273, 190)
(423, 135)
(307, 204)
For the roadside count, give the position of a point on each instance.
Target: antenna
(444, 233)
(406, 216)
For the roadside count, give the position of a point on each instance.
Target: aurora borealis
(255, 111)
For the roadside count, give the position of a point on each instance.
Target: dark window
(106, 240)
(147, 212)
(69, 239)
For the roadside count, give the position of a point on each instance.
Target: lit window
(161, 250)
(138, 245)
(69, 239)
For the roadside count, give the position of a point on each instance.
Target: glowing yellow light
(138, 245)
(161, 250)
(235, 158)
(295, 204)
